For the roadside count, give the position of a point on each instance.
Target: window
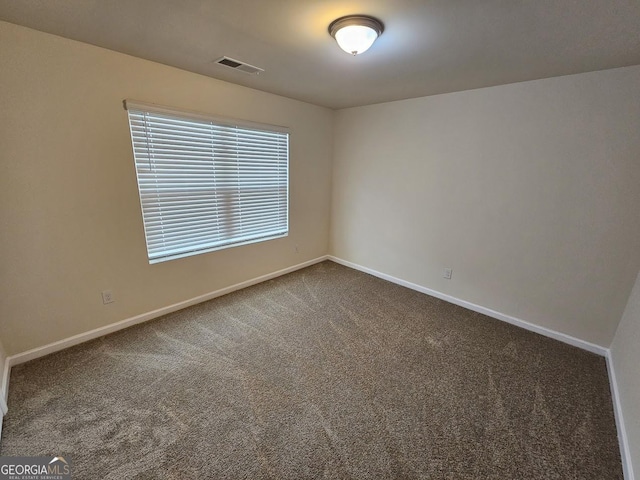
(206, 183)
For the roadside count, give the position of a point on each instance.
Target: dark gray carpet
(323, 373)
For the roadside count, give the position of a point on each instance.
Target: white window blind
(205, 183)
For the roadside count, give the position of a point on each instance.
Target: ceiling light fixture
(356, 33)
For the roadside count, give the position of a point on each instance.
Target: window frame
(216, 121)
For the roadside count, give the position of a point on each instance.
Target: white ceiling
(428, 47)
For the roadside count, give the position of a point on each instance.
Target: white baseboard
(4, 392)
(114, 327)
(563, 337)
(4, 386)
(625, 453)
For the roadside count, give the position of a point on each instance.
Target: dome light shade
(356, 39)
(356, 33)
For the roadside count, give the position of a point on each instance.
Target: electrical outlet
(107, 297)
(447, 273)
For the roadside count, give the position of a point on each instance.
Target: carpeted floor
(323, 373)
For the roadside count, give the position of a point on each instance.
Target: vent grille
(238, 65)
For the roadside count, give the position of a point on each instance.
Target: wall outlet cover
(107, 297)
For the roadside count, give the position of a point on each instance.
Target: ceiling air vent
(238, 65)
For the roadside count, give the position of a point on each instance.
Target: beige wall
(625, 352)
(529, 191)
(71, 222)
